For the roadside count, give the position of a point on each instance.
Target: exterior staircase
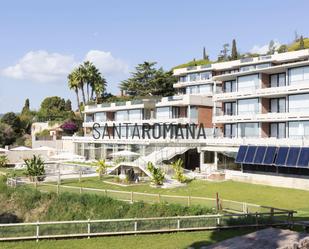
(156, 157)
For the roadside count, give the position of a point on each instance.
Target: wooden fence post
(135, 225)
(89, 229)
(80, 175)
(58, 189)
(159, 198)
(131, 196)
(37, 231)
(59, 177)
(189, 200)
(178, 224)
(217, 201)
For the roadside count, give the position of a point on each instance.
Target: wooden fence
(90, 228)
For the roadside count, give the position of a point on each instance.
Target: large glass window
(175, 112)
(249, 82)
(100, 117)
(230, 130)
(248, 106)
(193, 112)
(230, 108)
(277, 130)
(135, 114)
(194, 76)
(277, 80)
(206, 75)
(299, 103)
(206, 88)
(299, 129)
(182, 78)
(230, 86)
(248, 130)
(121, 115)
(163, 113)
(298, 75)
(277, 105)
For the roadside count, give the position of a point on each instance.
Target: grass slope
(253, 193)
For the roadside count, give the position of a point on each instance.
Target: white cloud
(42, 66)
(106, 63)
(264, 48)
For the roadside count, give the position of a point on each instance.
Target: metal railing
(89, 228)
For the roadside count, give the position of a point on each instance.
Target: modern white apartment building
(253, 101)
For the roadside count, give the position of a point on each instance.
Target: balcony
(262, 117)
(263, 92)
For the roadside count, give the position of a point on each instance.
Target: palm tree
(80, 77)
(73, 85)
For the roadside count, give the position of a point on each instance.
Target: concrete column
(216, 161)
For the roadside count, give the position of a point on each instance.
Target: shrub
(35, 168)
(178, 168)
(157, 174)
(3, 160)
(101, 168)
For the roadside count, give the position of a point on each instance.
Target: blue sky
(43, 40)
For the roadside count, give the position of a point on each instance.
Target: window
(206, 75)
(194, 76)
(230, 130)
(163, 112)
(135, 114)
(248, 106)
(248, 130)
(230, 86)
(277, 105)
(193, 89)
(230, 108)
(249, 82)
(277, 130)
(175, 112)
(277, 80)
(100, 117)
(209, 157)
(298, 75)
(206, 88)
(299, 103)
(182, 78)
(247, 68)
(299, 129)
(263, 65)
(193, 112)
(121, 116)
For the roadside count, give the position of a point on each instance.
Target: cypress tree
(234, 54)
(301, 43)
(205, 56)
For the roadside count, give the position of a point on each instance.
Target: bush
(157, 174)
(178, 168)
(35, 168)
(3, 160)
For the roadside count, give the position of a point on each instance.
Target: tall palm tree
(74, 85)
(80, 77)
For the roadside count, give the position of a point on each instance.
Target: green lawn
(155, 241)
(237, 191)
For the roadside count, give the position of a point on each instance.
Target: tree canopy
(147, 80)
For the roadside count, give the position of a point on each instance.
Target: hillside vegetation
(26, 204)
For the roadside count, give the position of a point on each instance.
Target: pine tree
(301, 43)
(205, 55)
(26, 107)
(234, 54)
(271, 47)
(68, 105)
